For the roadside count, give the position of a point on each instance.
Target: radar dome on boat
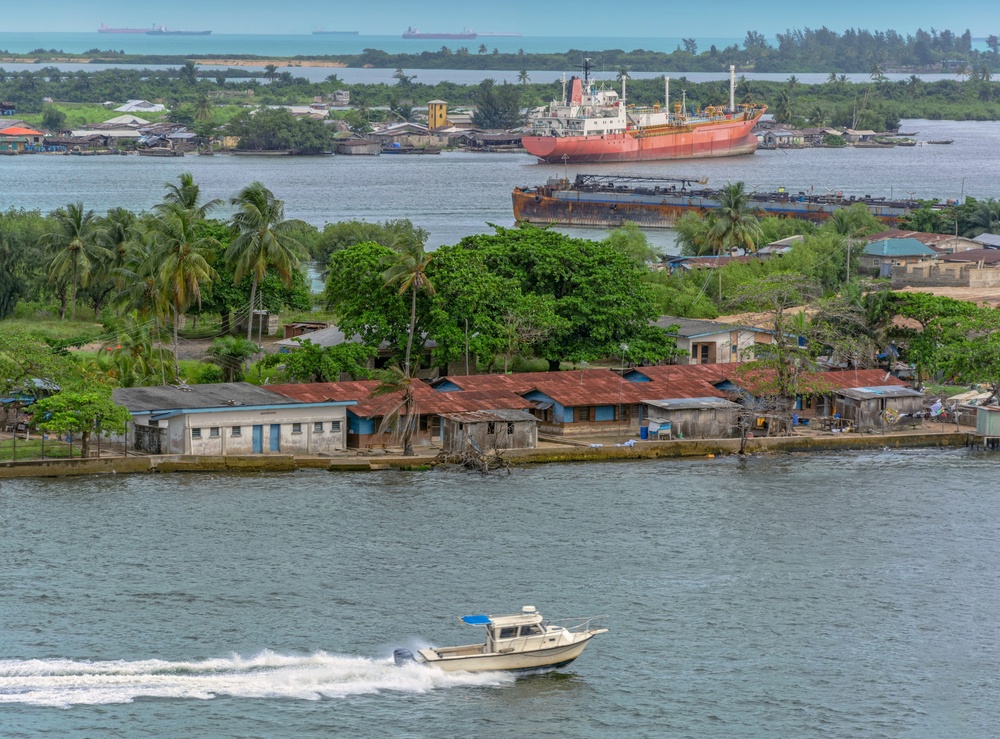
(528, 609)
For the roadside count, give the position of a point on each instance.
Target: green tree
(74, 246)
(83, 411)
(497, 106)
(229, 354)
(186, 194)
(314, 363)
(409, 272)
(182, 256)
(53, 119)
(522, 77)
(735, 226)
(264, 240)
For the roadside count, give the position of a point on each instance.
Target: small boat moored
(521, 641)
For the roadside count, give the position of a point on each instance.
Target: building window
(213, 433)
(237, 431)
(335, 425)
(318, 427)
(296, 428)
(510, 429)
(153, 423)
(195, 433)
(491, 427)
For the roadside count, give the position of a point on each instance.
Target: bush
(210, 374)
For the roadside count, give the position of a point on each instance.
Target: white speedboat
(522, 641)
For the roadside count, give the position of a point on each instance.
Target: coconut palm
(264, 240)
(229, 353)
(877, 73)
(783, 107)
(400, 410)
(482, 48)
(182, 254)
(985, 218)
(203, 108)
(735, 225)
(74, 246)
(186, 195)
(523, 77)
(832, 78)
(409, 271)
(623, 74)
(792, 82)
(270, 72)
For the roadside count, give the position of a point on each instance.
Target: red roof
(20, 131)
(428, 399)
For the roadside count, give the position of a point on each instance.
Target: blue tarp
(477, 620)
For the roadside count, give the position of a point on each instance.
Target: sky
(592, 18)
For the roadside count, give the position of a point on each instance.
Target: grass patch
(33, 449)
(945, 391)
(52, 328)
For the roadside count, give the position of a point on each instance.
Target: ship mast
(666, 96)
(586, 71)
(732, 88)
(564, 88)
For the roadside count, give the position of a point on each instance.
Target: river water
(788, 596)
(456, 194)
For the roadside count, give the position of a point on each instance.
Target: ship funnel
(575, 91)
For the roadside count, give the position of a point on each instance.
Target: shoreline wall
(641, 450)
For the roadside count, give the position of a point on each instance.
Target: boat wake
(64, 683)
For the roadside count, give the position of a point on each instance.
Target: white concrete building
(233, 418)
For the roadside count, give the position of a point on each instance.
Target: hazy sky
(639, 18)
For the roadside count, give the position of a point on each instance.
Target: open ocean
(828, 595)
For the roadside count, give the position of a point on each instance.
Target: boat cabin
(510, 633)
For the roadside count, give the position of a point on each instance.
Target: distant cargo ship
(107, 29)
(610, 201)
(318, 32)
(164, 31)
(596, 125)
(466, 35)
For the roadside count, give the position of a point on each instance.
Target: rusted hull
(532, 207)
(723, 138)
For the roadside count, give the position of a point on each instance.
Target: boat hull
(540, 659)
(725, 138)
(615, 209)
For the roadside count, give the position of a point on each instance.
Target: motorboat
(516, 642)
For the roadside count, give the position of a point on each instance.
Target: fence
(36, 446)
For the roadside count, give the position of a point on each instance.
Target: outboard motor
(403, 657)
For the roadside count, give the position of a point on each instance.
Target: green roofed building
(880, 256)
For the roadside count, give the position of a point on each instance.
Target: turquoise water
(797, 596)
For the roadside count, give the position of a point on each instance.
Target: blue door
(258, 439)
(275, 437)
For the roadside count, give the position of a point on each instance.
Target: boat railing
(579, 625)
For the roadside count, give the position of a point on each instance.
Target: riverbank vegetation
(93, 301)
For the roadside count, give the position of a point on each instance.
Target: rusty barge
(610, 201)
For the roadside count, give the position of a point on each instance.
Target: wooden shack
(879, 409)
(488, 430)
(693, 418)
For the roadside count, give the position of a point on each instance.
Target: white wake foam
(63, 683)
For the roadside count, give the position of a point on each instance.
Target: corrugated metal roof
(899, 248)
(680, 404)
(170, 397)
(883, 391)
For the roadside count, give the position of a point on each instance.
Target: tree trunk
(177, 320)
(409, 340)
(62, 303)
(253, 298)
(72, 311)
(85, 444)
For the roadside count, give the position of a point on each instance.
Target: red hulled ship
(596, 125)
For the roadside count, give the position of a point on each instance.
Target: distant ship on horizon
(164, 31)
(107, 29)
(415, 33)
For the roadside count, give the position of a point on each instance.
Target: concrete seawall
(641, 450)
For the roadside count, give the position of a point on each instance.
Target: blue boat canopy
(477, 620)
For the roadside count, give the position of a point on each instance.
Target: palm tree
(186, 195)
(877, 73)
(736, 225)
(271, 72)
(75, 247)
(523, 77)
(263, 240)
(623, 74)
(482, 48)
(984, 219)
(203, 108)
(792, 82)
(229, 353)
(409, 271)
(783, 107)
(401, 409)
(182, 255)
(832, 78)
